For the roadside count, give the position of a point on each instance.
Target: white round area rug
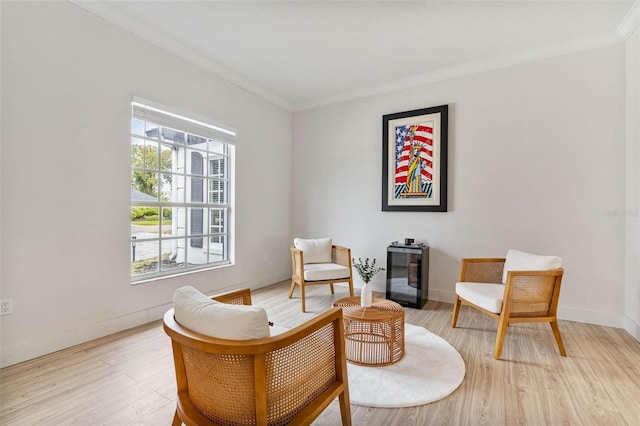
(430, 370)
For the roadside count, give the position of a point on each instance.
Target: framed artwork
(414, 160)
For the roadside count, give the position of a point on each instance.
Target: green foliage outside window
(146, 157)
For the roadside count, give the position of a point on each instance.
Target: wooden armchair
(289, 378)
(316, 268)
(525, 296)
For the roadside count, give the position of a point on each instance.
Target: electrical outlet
(6, 306)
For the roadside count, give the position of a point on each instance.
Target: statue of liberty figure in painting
(416, 164)
(414, 161)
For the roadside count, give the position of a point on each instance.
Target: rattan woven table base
(374, 335)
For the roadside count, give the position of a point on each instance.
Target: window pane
(197, 251)
(170, 253)
(137, 127)
(171, 265)
(173, 189)
(217, 191)
(195, 162)
(195, 189)
(196, 221)
(217, 221)
(218, 249)
(167, 221)
(175, 136)
(216, 147)
(145, 184)
(145, 220)
(198, 142)
(151, 130)
(180, 220)
(167, 192)
(151, 155)
(166, 160)
(137, 153)
(217, 166)
(144, 257)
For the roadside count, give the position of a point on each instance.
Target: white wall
(68, 78)
(536, 162)
(632, 211)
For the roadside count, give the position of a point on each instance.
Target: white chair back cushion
(199, 313)
(325, 271)
(314, 250)
(520, 261)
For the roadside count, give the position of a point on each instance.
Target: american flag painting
(414, 161)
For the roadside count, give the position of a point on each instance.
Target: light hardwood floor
(127, 378)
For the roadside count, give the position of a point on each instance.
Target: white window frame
(193, 243)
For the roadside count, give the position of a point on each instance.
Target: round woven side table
(374, 335)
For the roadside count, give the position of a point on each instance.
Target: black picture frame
(414, 160)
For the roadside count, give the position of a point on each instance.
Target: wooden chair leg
(331, 285)
(176, 420)
(503, 324)
(351, 287)
(556, 334)
(293, 286)
(456, 310)
(345, 409)
(302, 295)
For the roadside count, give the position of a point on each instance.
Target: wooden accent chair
(519, 288)
(288, 378)
(318, 261)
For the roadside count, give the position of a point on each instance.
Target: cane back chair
(289, 378)
(526, 295)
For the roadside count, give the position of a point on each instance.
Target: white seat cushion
(520, 261)
(276, 329)
(325, 271)
(314, 251)
(486, 295)
(199, 313)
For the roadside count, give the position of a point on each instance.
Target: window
(180, 192)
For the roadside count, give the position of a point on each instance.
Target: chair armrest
(533, 293)
(341, 256)
(297, 262)
(236, 297)
(482, 270)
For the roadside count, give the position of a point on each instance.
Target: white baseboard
(23, 351)
(631, 326)
(607, 319)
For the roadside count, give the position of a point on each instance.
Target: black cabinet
(408, 274)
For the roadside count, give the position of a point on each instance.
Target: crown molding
(155, 37)
(628, 25)
(630, 22)
(468, 69)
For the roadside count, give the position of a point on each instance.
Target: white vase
(365, 295)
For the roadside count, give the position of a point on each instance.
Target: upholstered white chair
(319, 261)
(232, 368)
(522, 287)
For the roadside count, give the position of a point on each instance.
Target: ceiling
(303, 54)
